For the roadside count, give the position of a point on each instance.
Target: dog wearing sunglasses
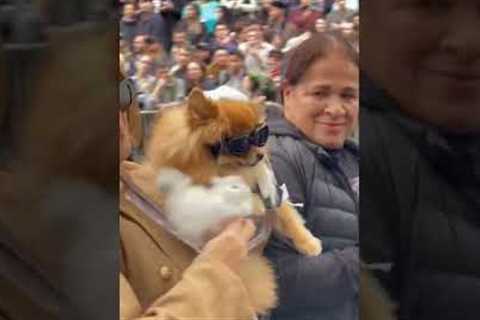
(206, 139)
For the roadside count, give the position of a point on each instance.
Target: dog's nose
(259, 156)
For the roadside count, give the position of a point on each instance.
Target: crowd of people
(169, 47)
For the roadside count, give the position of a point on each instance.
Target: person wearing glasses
(312, 155)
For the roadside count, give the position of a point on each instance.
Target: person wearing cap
(163, 278)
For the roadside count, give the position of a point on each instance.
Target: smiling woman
(312, 155)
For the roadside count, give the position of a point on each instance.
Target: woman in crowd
(196, 77)
(313, 156)
(191, 23)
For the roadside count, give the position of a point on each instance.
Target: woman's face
(433, 67)
(324, 104)
(190, 12)
(321, 25)
(194, 71)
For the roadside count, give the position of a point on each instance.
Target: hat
(279, 4)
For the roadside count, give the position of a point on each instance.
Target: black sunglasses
(239, 146)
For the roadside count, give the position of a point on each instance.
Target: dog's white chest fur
(195, 211)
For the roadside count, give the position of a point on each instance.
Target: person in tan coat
(161, 277)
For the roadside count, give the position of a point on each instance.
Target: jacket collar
(143, 177)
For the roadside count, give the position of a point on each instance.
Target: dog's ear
(200, 108)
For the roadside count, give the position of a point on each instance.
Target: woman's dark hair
(319, 45)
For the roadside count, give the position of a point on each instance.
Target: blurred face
(305, 3)
(144, 64)
(221, 31)
(183, 57)
(190, 12)
(194, 71)
(253, 36)
(139, 44)
(321, 25)
(347, 29)
(433, 67)
(146, 6)
(179, 38)
(275, 12)
(221, 58)
(342, 4)
(129, 11)
(235, 64)
(324, 104)
(202, 55)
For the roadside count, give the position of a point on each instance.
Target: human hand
(231, 246)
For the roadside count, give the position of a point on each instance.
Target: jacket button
(165, 273)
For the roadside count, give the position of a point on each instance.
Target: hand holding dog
(231, 246)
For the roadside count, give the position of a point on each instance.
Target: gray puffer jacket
(326, 286)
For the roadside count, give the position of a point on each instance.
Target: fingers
(243, 228)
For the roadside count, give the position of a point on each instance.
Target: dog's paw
(310, 247)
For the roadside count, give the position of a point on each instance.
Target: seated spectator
(168, 88)
(304, 16)
(255, 49)
(128, 23)
(236, 71)
(181, 59)
(276, 22)
(179, 37)
(274, 68)
(340, 13)
(241, 8)
(153, 25)
(202, 53)
(222, 38)
(196, 77)
(144, 80)
(321, 25)
(191, 23)
(311, 154)
(217, 70)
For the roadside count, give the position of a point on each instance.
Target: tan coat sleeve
(207, 291)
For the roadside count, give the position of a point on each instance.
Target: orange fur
(181, 138)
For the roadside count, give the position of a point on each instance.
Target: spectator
(321, 25)
(217, 70)
(179, 37)
(196, 77)
(224, 15)
(202, 53)
(241, 7)
(236, 71)
(340, 13)
(152, 24)
(168, 88)
(191, 23)
(128, 23)
(144, 80)
(182, 57)
(274, 68)
(304, 16)
(255, 49)
(223, 38)
(311, 154)
(277, 20)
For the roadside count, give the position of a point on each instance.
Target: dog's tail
(170, 179)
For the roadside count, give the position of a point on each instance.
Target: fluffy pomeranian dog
(225, 199)
(206, 139)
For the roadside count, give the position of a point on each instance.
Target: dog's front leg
(293, 226)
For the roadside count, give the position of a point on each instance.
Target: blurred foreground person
(312, 155)
(421, 155)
